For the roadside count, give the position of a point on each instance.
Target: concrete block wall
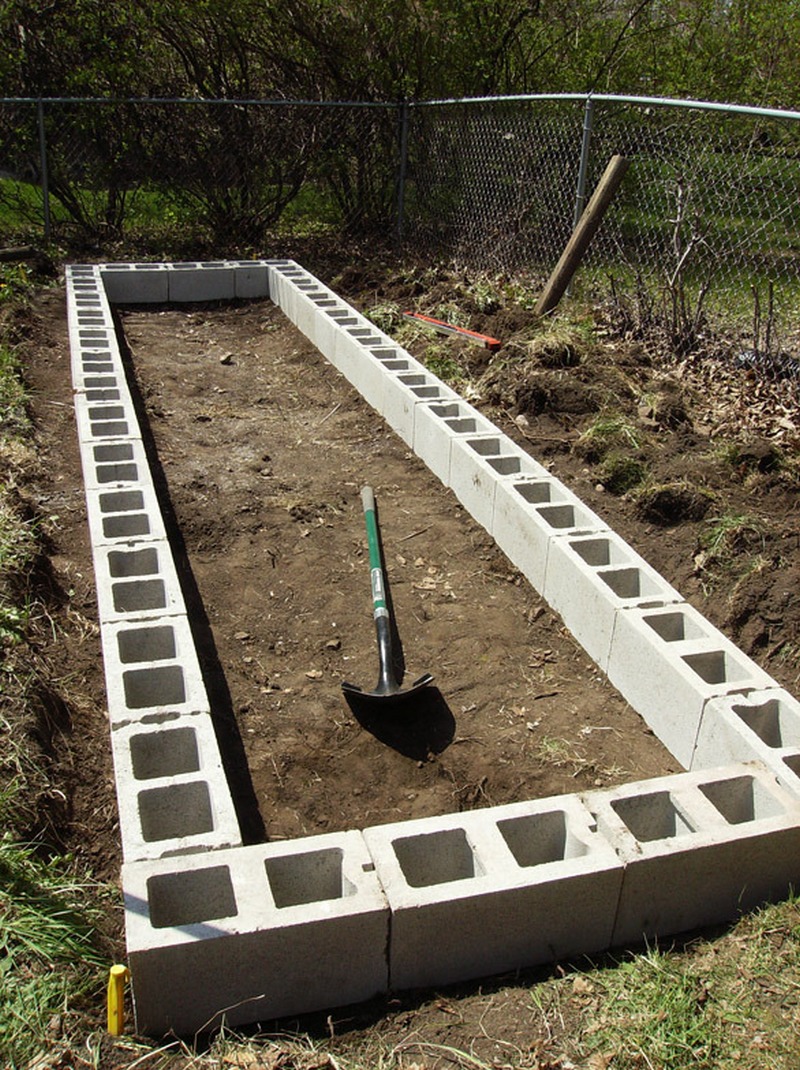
(216, 930)
(152, 674)
(255, 933)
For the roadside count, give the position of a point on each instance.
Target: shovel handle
(379, 606)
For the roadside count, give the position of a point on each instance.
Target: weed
(619, 472)
(440, 361)
(730, 534)
(608, 431)
(387, 317)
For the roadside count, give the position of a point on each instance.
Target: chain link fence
(704, 232)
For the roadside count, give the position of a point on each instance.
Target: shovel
(387, 687)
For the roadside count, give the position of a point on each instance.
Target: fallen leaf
(314, 674)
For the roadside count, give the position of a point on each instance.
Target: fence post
(580, 191)
(43, 169)
(401, 177)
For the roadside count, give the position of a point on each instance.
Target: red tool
(492, 344)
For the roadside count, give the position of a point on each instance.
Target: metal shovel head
(388, 689)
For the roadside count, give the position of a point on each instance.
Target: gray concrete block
(478, 462)
(136, 580)
(111, 465)
(102, 420)
(151, 669)
(172, 792)
(406, 386)
(761, 725)
(590, 578)
(210, 281)
(699, 848)
(254, 934)
(123, 515)
(478, 893)
(437, 423)
(688, 662)
(250, 279)
(136, 284)
(528, 513)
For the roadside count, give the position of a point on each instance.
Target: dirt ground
(259, 450)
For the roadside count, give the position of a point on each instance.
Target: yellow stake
(117, 977)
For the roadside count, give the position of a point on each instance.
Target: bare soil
(259, 450)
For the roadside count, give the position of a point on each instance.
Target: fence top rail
(586, 98)
(667, 102)
(264, 101)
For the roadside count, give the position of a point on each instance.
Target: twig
(333, 410)
(414, 534)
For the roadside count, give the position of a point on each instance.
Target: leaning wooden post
(582, 235)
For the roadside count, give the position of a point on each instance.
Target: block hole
(792, 763)
(674, 627)
(506, 466)
(463, 426)
(109, 428)
(146, 644)
(715, 667)
(175, 811)
(122, 501)
(741, 799)
(595, 552)
(536, 839)
(652, 817)
(190, 897)
(629, 583)
(121, 527)
(125, 563)
(106, 412)
(445, 411)
(413, 380)
(139, 596)
(310, 877)
(772, 723)
(486, 447)
(167, 752)
(426, 391)
(558, 516)
(534, 493)
(102, 394)
(161, 686)
(117, 473)
(437, 858)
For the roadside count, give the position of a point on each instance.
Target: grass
(50, 962)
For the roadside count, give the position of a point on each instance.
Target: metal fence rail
(706, 226)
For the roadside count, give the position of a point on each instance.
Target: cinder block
(688, 662)
(590, 577)
(136, 284)
(211, 281)
(333, 315)
(699, 848)
(123, 515)
(478, 462)
(406, 386)
(437, 423)
(250, 279)
(172, 792)
(114, 464)
(253, 934)
(762, 725)
(151, 669)
(483, 892)
(100, 420)
(136, 581)
(529, 513)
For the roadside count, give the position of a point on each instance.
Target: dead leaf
(314, 674)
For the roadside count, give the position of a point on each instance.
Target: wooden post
(582, 235)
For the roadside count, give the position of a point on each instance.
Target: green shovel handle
(379, 606)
